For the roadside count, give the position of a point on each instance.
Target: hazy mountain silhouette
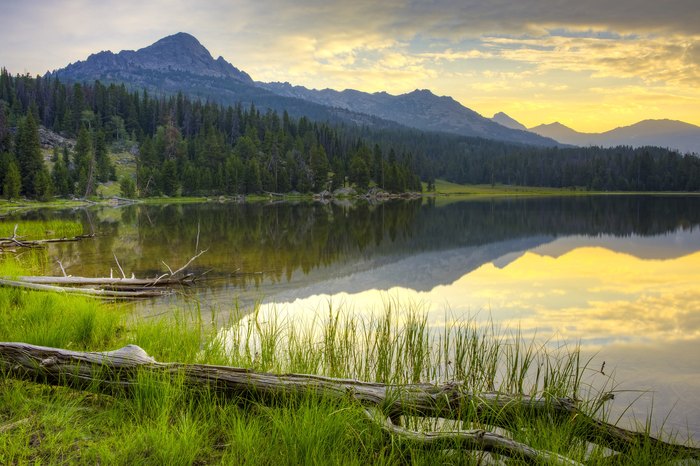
(672, 134)
(505, 120)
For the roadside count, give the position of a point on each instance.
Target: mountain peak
(180, 52)
(504, 120)
(179, 38)
(180, 44)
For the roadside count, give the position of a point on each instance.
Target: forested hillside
(483, 161)
(182, 146)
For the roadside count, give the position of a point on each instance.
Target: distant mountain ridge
(420, 109)
(180, 63)
(673, 134)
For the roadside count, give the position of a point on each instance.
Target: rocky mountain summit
(180, 52)
(179, 63)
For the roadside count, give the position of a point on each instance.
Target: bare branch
(168, 267)
(119, 265)
(188, 263)
(60, 264)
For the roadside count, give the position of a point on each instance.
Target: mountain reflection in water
(617, 274)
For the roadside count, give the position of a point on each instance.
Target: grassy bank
(446, 188)
(40, 229)
(164, 422)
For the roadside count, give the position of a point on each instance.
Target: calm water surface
(618, 275)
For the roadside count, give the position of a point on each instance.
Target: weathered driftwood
(14, 242)
(103, 293)
(473, 439)
(109, 281)
(115, 371)
(108, 287)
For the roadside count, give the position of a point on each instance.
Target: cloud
(472, 50)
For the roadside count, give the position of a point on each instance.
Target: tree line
(190, 147)
(181, 146)
(482, 161)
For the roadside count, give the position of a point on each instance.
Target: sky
(590, 64)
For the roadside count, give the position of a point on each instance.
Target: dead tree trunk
(124, 293)
(109, 281)
(115, 372)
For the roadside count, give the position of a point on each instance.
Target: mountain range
(180, 63)
(671, 134)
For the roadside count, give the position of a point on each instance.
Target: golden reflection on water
(590, 295)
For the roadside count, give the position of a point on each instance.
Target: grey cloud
(465, 17)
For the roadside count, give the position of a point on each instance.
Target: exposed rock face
(180, 52)
(48, 139)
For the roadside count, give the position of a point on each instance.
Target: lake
(618, 275)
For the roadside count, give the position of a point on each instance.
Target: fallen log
(14, 241)
(116, 371)
(103, 293)
(108, 287)
(109, 281)
(473, 439)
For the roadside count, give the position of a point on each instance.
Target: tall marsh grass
(41, 229)
(164, 422)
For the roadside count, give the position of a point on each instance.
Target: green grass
(447, 188)
(41, 229)
(164, 422)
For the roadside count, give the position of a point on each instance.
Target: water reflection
(640, 316)
(591, 295)
(273, 244)
(617, 274)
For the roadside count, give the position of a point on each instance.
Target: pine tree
(12, 184)
(61, 178)
(5, 135)
(359, 172)
(168, 178)
(84, 164)
(127, 187)
(43, 185)
(253, 183)
(104, 165)
(28, 152)
(320, 167)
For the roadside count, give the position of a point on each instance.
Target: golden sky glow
(590, 294)
(590, 65)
